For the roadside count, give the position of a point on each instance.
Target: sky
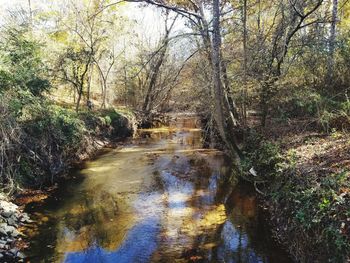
(149, 20)
(148, 17)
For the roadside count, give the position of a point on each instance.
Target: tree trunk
(218, 94)
(154, 76)
(156, 69)
(89, 82)
(230, 104)
(332, 41)
(245, 63)
(30, 14)
(80, 93)
(104, 95)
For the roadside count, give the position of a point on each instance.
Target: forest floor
(309, 200)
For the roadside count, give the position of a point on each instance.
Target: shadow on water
(162, 198)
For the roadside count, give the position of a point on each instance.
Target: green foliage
(69, 129)
(263, 155)
(101, 122)
(300, 102)
(112, 115)
(320, 210)
(21, 100)
(325, 119)
(335, 115)
(313, 204)
(304, 103)
(62, 125)
(52, 137)
(22, 63)
(345, 107)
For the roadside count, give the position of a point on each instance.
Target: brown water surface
(162, 198)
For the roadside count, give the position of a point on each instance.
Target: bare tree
(158, 62)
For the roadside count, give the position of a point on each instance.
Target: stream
(159, 198)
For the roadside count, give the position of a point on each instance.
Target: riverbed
(161, 197)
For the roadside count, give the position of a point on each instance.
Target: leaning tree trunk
(154, 76)
(155, 70)
(89, 83)
(104, 95)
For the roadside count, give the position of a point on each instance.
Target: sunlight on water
(160, 199)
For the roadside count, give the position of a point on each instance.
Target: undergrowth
(40, 140)
(310, 205)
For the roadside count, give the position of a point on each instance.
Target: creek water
(160, 198)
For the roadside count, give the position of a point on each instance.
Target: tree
(291, 17)
(74, 66)
(156, 64)
(85, 31)
(22, 62)
(332, 41)
(195, 13)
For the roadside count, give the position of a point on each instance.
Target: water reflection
(161, 199)
(138, 246)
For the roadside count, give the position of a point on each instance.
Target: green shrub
(335, 120)
(263, 155)
(320, 210)
(345, 106)
(22, 62)
(53, 138)
(296, 102)
(62, 125)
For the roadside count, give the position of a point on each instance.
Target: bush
(37, 139)
(22, 65)
(318, 211)
(263, 155)
(54, 137)
(11, 137)
(296, 102)
(337, 119)
(105, 123)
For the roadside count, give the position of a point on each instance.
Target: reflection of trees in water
(245, 237)
(235, 246)
(92, 222)
(235, 240)
(227, 242)
(191, 192)
(198, 230)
